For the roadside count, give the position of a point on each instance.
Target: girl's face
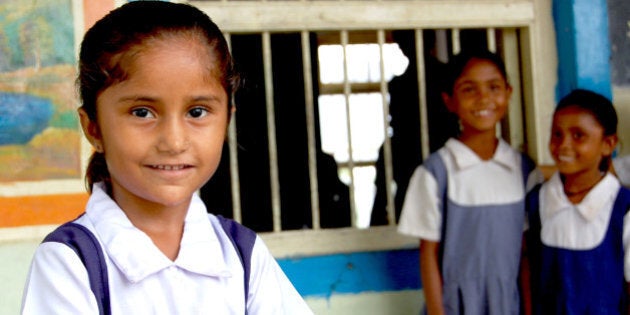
(162, 128)
(480, 96)
(577, 142)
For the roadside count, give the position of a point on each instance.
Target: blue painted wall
(382, 271)
(583, 43)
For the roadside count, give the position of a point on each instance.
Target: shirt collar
(465, 157)
(557, 201)
(134, 253)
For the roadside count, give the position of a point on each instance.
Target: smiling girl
(466, 201)
(578, 239)
(156, 81)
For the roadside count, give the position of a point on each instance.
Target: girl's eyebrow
(208, 98)
(465, 82)
(135, 98)
(141, 98)
(472, 81)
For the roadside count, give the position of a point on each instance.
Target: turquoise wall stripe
(583, 46)
(354, 273)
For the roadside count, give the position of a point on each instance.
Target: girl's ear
(447, 102)
(609, 144)
(509, 90)
(91, 131)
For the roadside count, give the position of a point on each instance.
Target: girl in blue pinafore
(577, 241)
(466, 201)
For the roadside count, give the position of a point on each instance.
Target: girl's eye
(468, 90)
(556, 135)
(198, 112)
(578, 135)
(142, 112)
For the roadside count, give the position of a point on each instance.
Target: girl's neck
(164, 225)
(577, 186)
(484, 144)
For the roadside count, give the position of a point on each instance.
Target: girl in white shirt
(156, 81)
(578, 239)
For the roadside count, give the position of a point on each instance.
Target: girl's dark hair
(458, 63)
(131, 25)
(600, 107)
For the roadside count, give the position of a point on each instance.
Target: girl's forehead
(575, 110)
(575, 115)
(478, 63)
(148, 50)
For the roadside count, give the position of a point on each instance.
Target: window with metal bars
(358, 119)
(318, 143)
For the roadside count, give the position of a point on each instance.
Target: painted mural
(39, 133)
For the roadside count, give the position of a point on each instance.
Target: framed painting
(42, 150)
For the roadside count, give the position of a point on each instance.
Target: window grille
(261, 34)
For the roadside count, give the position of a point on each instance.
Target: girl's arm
(526, 296)
(270, 291)
(57, 283)
(431, 277)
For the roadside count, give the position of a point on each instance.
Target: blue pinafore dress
(479, 252)
(565, 281)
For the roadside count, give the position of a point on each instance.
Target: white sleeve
(622, 168)
(270, 291)
(626, 246)
(57, 283)
(421, 214)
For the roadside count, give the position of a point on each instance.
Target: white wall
(16, 259)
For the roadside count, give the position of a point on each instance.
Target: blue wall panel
(354, 273)
(583, 46)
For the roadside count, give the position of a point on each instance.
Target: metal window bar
(271, 131)
(387, 150)
(347, 91)
(424, 120)
(514, 123)
(455, 41)
(233, 147)
(310, 128)
(492, 41)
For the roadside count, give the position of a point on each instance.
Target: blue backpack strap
(83, 242)
(243, 240)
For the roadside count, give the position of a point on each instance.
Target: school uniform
(475, 209)
(579, 255)
(207, 277)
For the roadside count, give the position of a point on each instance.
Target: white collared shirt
(471, 182)
(205, 278)
(582, 226)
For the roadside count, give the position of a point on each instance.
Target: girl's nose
(484, 95)
(173, 138)
(564, 141)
